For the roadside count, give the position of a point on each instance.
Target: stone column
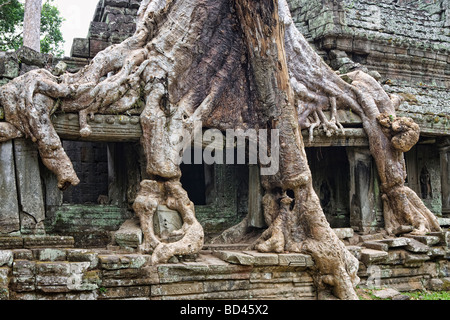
(445, 178)
(9, 206)
(31, 195)
(363, 204)
(255, 209)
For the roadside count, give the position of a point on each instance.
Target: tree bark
(32, 25)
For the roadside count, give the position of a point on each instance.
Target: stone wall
(407, 42)
(113, 22)
(406, 46)
(35, 272)
(62, 274)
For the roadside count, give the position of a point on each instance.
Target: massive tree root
(232, 64)
(389, 136)
(172, 194)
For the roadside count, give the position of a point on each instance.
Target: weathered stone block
(22, 254)
(386, 293)
(130, 277)
(33, 58)
(29, 186)
(415, 260)
(395, 257)
(23, 279)
(235, 257)
(177, 289)
(124, 292)
(48, 242)
(371, 237)
(11, 242)
(52, 281)
(225, 285)
(344, 233)
(427, 240)
(444, 237)
(443, 221)
(83, 255)
(370, 256)
(6, 258)
(376, 245)
(416, 246)
(9, 65)
(129, 234)
(295, 260)
(437, 252)
(216, 269)
(166, 221)
(135, 4)
(396, 242)
(24, 267)
(115, 262)
(80, 48)
(110, 262)
(62, 268)
(50, 254)
(95, 46)
(4, 283)
(117, 3)
(263, 259)
(23, 283)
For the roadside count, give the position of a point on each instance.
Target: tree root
(402, 207)
(172, 194)
(299, 228)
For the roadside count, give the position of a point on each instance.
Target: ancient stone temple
(89, 235)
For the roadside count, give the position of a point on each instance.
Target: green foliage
(51, 36)
(11, 27)
(11, 22)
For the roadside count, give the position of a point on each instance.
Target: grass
(429, 295)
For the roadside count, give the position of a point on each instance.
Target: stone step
(427, 240)
(254, 258)
(129, 234)
(371, 256)
(396, 242)
(444, 237)
(417, 247)
(376, 245)
(29, 242)
(224, 246)
(444, 222)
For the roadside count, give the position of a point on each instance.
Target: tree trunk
(32, 25)
(231, 64)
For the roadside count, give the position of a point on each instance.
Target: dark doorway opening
(193, 181)
(90, 162)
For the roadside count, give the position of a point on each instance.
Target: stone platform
(81, 274)
(231, 272)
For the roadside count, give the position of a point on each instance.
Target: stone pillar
(9, 206)
(31, 195)
(445, 178)
(363, 204)
(255, 209)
